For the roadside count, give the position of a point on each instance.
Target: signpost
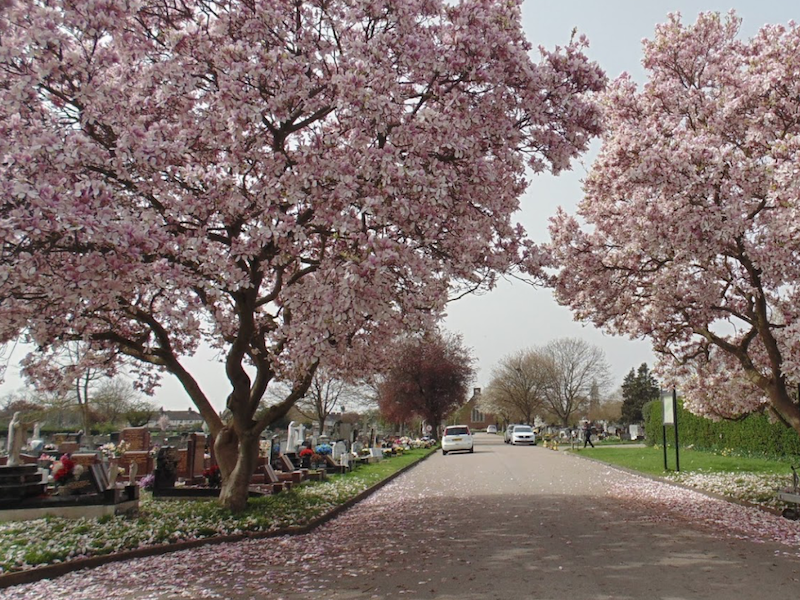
(670, 403)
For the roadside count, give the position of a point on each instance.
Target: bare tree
(113, 398)
(517, 388)
(324, 395)
(576, 369)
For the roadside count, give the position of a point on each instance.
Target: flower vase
(113, 471)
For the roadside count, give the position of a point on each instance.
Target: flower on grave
(112, 450)
(324, 449)
(306, 453)
(64, 470)
(213, 476)
(317, 458)
(148, 482)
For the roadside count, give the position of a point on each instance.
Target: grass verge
(29, 544)
(753, 480)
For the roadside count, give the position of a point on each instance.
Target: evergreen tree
(638, 388)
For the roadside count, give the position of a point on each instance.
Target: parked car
(457, 437)
(491, 429)
(523, 434)
(507, 434)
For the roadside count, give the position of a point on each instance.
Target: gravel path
(503, 522)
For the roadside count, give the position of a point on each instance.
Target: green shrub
(754, 435)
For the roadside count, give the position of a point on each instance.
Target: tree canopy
(517, 388)
(690, 216)
(290, 183)
(638, 388)
(429, 378)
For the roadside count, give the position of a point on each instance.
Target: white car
(457, 437)
(523, 434)
(507, 433)
(491, 429)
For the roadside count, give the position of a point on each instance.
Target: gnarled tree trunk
(236, 456)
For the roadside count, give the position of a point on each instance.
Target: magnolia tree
(285, 181)
(691, 216)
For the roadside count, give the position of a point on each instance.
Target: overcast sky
(516, 316)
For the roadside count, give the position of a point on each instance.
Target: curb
(57, 570)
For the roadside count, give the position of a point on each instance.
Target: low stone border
(57, 570)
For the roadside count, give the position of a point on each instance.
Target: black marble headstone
(166, 471)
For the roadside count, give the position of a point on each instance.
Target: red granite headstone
(198, 448)
(143, 460)
(138, 438)
(68, 447)
(85, 459)
(183, 463)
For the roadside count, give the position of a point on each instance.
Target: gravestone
(166, 471)
(339, 448)
(85, 459)
(98, 475)
(183, 463)
(197, 447)
(138, 438)
(140, 458)
(68, 447)
(295, 437)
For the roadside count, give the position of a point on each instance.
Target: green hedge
(754, 434)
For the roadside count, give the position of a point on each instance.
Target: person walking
(587, 434)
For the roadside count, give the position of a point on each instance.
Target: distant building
(471, 415)
(178, 419)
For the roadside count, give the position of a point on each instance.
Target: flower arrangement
(324, 449)
(112, 450)
(317, 458)
(63, 470)
(148, 482)
(306, 453)
(213, 476)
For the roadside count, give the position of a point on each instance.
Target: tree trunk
(236, 455)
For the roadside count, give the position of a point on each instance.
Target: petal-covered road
(502, 522)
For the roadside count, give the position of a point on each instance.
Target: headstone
(285, 463)
(99, 477)
(138, 438)
(86, 459)
(183, 463)
(140, 458)
(339, 448)
(344, 460)
(295, 437)
(68, 447)
(198, 448)
(166, 471)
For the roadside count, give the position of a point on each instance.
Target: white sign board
(669, 412)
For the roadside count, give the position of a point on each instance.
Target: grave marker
(138, 438)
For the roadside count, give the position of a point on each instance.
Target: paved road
(504, 522)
